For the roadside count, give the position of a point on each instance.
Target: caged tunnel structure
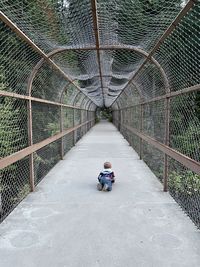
(61, 60)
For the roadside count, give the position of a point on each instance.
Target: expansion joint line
(169, 30)
(96, 32)
(25, 38)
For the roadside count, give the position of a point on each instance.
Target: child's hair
(107, 165)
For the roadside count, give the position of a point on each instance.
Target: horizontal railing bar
(35, 99)
(4, 162)
(184, 160)
(168, 95)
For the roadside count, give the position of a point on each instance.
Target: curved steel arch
(107, 47)
(36, 69)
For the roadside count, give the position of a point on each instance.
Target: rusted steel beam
(31, 149)
(30, 141)
(61, 130)
(96, 32)
(14, 95)
(184, 160)
(166, 160)
(141, 129)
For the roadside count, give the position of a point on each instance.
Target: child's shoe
(105, 187)
(99, 187)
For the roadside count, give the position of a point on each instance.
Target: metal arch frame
(132, 82)
(87, 104)
(106, 47)
(64, 90)
(89, 107)
(73, 102)
(36, 69)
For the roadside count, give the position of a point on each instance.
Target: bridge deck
(68, 223)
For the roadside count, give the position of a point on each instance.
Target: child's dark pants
(103, 181)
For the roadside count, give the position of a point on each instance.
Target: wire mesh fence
(39, 104)
(14, 185)
(45, 158)
(184, 186)
(163, 123)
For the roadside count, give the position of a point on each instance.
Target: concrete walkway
(68, 223)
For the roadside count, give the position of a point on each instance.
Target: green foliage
(12, 134)
(186, 183)
(185, 125)
(52, 128)
(105, 113)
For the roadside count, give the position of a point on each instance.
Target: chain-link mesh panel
(13, 125)
(48, 83)
(52, 23)
(154, 158)
(84, 103)
(185, 124)
(139, 23)
(130, 96)
(14, 186)
(16, 61)
(77, 117)
(45, 159)
(116, 116)
(135, 142)
(85, 118)
(46, 121)
(184, 186)
(118, 66)
(68, 142)
(135, 117)
(77, 121)
(69, 94)
(183, 52)
(80, 65)
(132, 139)
(151, 81)
(125, 132)
(78, 22)
(154, 120)
(68, 118)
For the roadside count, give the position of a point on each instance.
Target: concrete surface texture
(68, 223)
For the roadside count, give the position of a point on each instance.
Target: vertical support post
(61, 130)
(30, 140)
(74, 132)
(166, 159)
(81, 120)
(87, 127)
(121, 120)
(141, 128)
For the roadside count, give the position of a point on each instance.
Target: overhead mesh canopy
(101, 44)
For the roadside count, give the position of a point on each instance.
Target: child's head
(107, 165)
